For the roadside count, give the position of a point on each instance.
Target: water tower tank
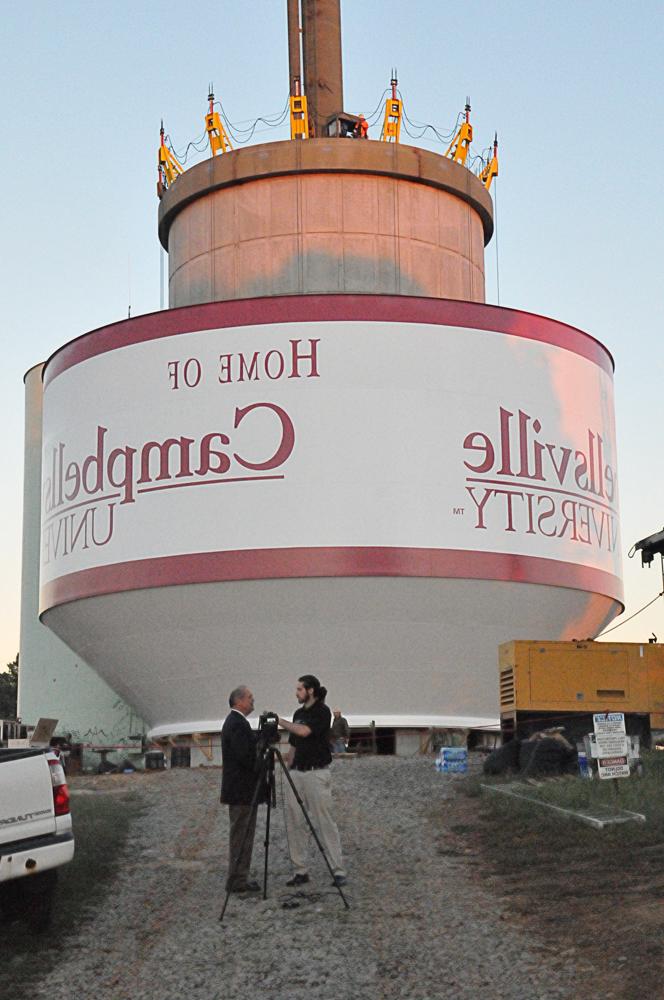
(329, 455)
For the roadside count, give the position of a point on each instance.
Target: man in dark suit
(238, 783)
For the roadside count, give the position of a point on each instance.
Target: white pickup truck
(36, 835)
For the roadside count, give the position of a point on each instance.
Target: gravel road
(422, 925)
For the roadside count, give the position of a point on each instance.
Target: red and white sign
(327, 436)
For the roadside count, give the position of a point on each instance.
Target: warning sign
(613, 767)
(611, 745)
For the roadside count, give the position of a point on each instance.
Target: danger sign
(611, 743)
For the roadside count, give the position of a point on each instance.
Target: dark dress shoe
(338, 881)
(245, 887)
(298, 879)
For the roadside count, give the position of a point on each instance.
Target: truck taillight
(60, 789)
(61, 800)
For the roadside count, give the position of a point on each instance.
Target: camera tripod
(265, 785)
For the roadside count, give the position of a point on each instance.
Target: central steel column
(294, 68)
(321, 48)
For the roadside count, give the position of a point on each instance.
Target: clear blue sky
(575, 90)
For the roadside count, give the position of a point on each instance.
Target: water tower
(328, 454)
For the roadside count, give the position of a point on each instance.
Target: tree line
(9, 690)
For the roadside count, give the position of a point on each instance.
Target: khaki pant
(315, 790)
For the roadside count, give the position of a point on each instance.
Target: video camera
(268, 729)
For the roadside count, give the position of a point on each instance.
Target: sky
(575, 91)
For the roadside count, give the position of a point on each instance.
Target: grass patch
(558, 878)
(637, 794)
(101, 826)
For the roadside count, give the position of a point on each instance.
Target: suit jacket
(238, 748)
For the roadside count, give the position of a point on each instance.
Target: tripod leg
(252, 812)
(271, 801)
(267, 837)
(310, 824)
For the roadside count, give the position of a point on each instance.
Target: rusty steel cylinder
(321, 47)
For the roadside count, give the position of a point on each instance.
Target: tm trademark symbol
(457, 510)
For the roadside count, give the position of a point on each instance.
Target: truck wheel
(40, 890)
(9, 902)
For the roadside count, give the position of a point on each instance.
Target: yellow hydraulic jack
(491, 168)
(219, 141)
(299, 116)
(458, 148)
(168, 168)
(393, 111)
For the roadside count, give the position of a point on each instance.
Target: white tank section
(54, 681)
(376, 489)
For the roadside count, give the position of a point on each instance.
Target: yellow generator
(546, 684)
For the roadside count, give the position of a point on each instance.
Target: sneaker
(298, 879)
(338, 881)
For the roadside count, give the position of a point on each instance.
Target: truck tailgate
(26, 798)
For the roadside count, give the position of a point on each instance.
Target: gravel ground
(421, 924)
